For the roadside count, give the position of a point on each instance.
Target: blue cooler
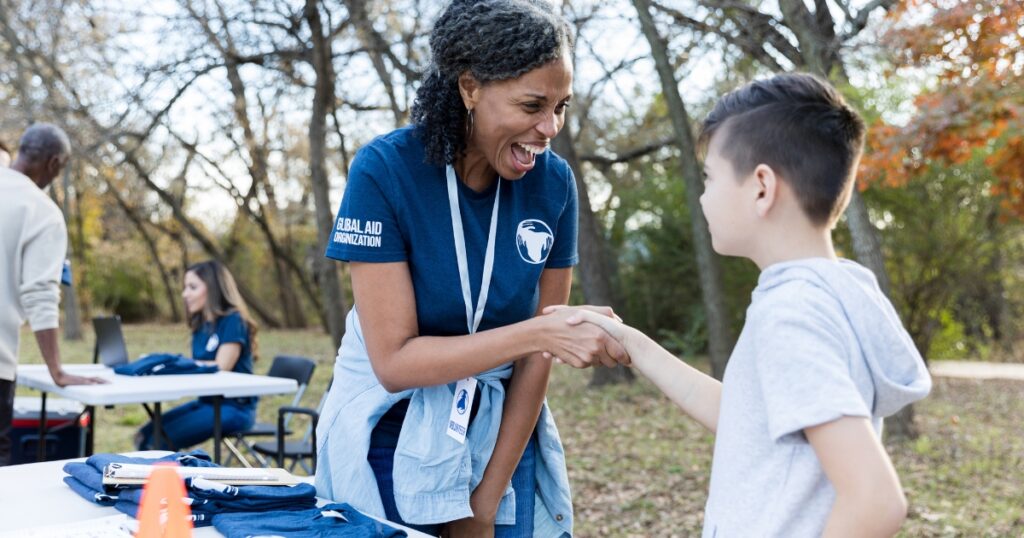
(65, 429)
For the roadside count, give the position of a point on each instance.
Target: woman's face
(514, 120)
(194, 293)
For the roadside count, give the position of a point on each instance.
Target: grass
(639, 467)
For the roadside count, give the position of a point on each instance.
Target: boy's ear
(469, 89)
(766, 184)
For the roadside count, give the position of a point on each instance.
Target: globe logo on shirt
(460, 404)
(212, 343)
(534, 240)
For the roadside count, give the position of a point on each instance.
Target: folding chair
(110, 348)
(298, 451)
(298, 368)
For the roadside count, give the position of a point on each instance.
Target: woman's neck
(475, 171)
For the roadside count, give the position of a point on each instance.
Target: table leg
(41, 443)
(216, 428)
(158, 430)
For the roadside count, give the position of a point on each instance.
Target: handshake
(585, 336)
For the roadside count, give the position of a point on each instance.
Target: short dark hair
(493, 40)
(42, 141)
(800, 126)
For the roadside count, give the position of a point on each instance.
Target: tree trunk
(720, 340)
(901, 425)
(997, 308)
(375, 45)
(595, 269)
(169, 288)
(72, 314)
(866, 243)
(323, 96)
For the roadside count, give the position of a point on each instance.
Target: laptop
(110, 349)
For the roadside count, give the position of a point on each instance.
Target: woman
(224, 334)
(459, 229)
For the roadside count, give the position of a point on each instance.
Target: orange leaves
(975, 51)
(1007, 162)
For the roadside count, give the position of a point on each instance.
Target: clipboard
(131, 474)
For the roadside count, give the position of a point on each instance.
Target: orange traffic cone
(164, 483)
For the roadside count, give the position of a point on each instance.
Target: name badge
(212, 343)
(462, 403)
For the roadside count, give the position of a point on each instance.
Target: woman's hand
(469, 527)
(480, 524)
(581, 345)
(602, 316)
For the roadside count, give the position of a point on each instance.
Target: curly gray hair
(42, 141)
(491, 39)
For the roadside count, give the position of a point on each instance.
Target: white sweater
(33, 243)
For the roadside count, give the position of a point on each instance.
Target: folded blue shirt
(205, 497)
(89, 473)
(90, 494)
(131, 509)
(164, 364)
(334, 520)
(86, 478)
(214, 498)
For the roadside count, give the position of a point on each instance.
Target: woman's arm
(227, 356)
(523, 403)
(402, 359)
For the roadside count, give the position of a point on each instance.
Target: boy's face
(727, 202)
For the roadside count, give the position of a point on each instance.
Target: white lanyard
(465, 389)
(473, 317)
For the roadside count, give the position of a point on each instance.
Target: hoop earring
(470, 123)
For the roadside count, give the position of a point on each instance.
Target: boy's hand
(869, 498)
(605, 311)
(600, 317)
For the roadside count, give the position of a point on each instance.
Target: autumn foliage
(973, 106)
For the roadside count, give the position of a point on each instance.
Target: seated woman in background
(223, 333)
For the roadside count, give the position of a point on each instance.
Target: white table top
(34, 495)
(124, 389)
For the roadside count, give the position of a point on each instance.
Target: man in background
(33, 242)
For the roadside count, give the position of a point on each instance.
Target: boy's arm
(869, 498)
(696, 393)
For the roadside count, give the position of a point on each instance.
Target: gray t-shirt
(820, 342)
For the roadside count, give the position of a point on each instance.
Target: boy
(822, 356)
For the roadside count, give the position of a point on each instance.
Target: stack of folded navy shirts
(337, 520)
(206, 498)
(164, 364)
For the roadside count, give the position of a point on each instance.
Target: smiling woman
(224, 334)
(460, 228)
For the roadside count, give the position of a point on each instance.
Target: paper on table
(135, 474)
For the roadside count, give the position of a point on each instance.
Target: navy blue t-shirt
(395, 208)
(224, 330)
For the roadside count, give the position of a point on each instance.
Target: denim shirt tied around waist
(434, 474)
